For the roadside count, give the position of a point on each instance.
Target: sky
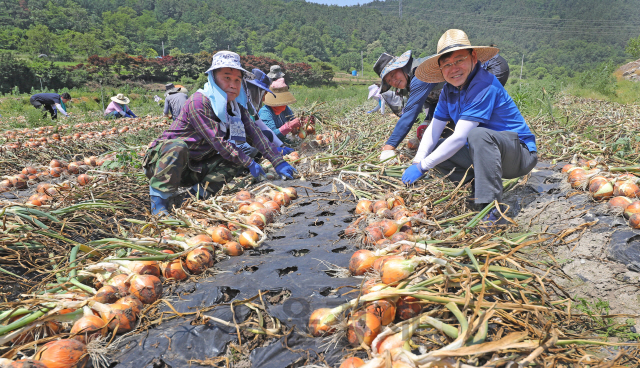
(339, 2)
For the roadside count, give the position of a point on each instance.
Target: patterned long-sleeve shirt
(199, 127)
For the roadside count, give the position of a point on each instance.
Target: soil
(581, 262)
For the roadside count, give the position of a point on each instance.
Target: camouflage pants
(167, 167)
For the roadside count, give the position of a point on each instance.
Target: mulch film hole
(286, 271)
(326, 213)
(317, 223)
(299, 252)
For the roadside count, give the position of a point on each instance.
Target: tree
(348, 61)
(39, 40)
(633, 48)
(292, 54)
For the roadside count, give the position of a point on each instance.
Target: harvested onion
(248, 239)
(353, 362)
(67, 353)
(408, 307)
(362, 328)
(147, 288)
(384, 309)
(364, 206)
(361, 262)
(322, 322)
(198, 261)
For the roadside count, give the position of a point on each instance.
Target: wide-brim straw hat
(282, 95)
(121, 99)
(452, 40)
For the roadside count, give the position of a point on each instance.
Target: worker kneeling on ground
(490, 132)
(196, 150)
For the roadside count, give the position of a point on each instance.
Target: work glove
(284, 150)
(286, 170)
(412, 174)
(289, 126)
(421, 129)
(256, 170)
(388, 156)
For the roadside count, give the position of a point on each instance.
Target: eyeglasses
(455, 63)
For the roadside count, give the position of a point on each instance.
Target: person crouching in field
(490, 133)
(195, 151)
(256, 87)
(119, 108)
(51, 103)
(174, 99)
(276, 113)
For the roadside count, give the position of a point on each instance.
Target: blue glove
(412, 174)
(286, 170)
(284, 150)
(256, 170)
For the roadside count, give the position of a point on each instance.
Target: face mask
(278, 109)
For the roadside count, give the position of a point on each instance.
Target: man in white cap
(490, 133)
(197, 150)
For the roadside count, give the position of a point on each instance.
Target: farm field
(344, 262)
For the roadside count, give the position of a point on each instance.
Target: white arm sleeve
(260, 124)
(430, 138)
(450, 146)
(60, 109)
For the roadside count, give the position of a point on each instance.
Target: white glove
(388, 154)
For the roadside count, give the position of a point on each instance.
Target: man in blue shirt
(490, 133)
(51, 103)
(398, 72)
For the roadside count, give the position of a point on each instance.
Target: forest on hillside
(558, 38)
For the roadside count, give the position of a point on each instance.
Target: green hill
(558, 37)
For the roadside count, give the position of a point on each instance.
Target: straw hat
(121, 99)
(452, 40)
(283, 96)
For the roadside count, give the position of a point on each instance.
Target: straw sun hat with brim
(283, 96)
(121, 99)
(452, 40)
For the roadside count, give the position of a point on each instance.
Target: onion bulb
(147, 288)
(258, 220)
(174, 269)
(67, 353)
(413, 144)
(567, 167)
(631, 209)
(107, 294)
(384, 309)
(143, 267)
(408, 307)
(120, 319)
(84, 179)
(121, 282)
(321, 322)
(18, 181)
(249, 208)
(395, 270)
(600, 187)
(378, 205)
(244, 195)
(634, 221)
(353, 362)
(362, 328)
(390, 342)
(372, 234)
(232, 249)
(627, 189)
(271, 205)
(55, 163)
(282, 199)
(29, 170)
(377, 265)
(199, 260)
(619, 202)
(361, 262)
(291, 192)
(89, 327)
(219, 234)
(364, 206)
(248, 239)
(201, 239)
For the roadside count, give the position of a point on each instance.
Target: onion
(248, 239)
(263, 199)
(5, 185)
(233, 227)
(55, 172)
(143, 267)
(29, 170)
(364, 206)
(634, 220)
(321, 322)
(377, 265)
(107, 294)
(268, 214)
(120, 319)
(258, 220)
(372, 234)
(408, 307)
(233, 249)
(219, 234)
(174, 269)
(601, 190)
(27, 363)
(198, 260)
(90, 161)
(627, 189)
(249, 208)
(244, 195)
(579, 178)
(377, 205)
(390, 343)
(201, 239)
(282, 199)
(362, 328)
(619, 202)
(400, 236)
(361, 262)
(631, 209)
(389, 227)
(68, 353)
(291, 192)
(89, 327)
(384, 309)
(121, 282)
(18, 181)
(401, 364)
(73, 168)
(131, 302)
(55, 163)
(84, 179)
(413, 144)
(353, 362)
(382, 243)
(147, 288)
(395, 270)
(567, 167)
